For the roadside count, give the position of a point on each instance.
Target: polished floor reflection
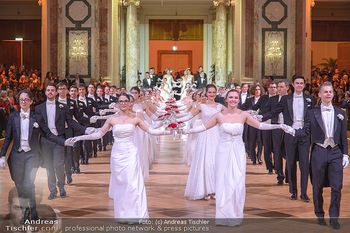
(87, 196)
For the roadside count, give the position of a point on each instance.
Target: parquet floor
(87, 196)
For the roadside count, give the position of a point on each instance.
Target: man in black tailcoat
(329, 152)
(24, 159)
(294, 108)
(266, 135)
(200, 78)
(55, 116)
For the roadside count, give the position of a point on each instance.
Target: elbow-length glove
(188, 117)
(94, 136)
(198, 129)
(158, 131)
(264, 126)
(345, 160)
(2, 161)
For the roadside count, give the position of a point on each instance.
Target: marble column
(307, 40)
(213, 32)
(45, 37)
(139, 13)
(230, 37)
(238, 43)
(131, 44)
(220, 44)
(114, 38)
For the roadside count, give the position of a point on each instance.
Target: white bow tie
(325, 109)
(50, 102)
(24, 115)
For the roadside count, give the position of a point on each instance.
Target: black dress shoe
(34, 214)
(104, 148)
(321, 221)
(100, 149)
(69, 179)
(304, 197)
(334, 223)
(95, 155)
(78, 170)
(260, 162)
(279, 183)
(63, 193)
(25, 216)
(87, 162)
(254, 162)
(52, 196)
(270, 172)
(293, 197)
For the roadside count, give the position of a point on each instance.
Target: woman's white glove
(197, 129)
(2, 161)
(288, 129)
(154, 117)
(93, 136)
(345, 161)
(188, 117)
(264, 126)
(93, 119)
(158, 132)
(157, 124)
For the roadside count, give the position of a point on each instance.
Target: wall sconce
(274, 51)
(226, 2)
(77, 50)
(174, 48)
(128, 2)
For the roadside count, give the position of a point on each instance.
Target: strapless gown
(127, 185)
(230, 169)
(201, 179)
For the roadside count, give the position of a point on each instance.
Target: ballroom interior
(121, 39)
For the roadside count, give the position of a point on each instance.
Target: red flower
(180, 122)
(172, 125)
(177, 112)
(167, 114)
(174, 106)
(160, 116)
(167, 109)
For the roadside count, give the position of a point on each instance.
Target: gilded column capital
(40, 2)
(312, 3)
(224, 2)
(129, 2)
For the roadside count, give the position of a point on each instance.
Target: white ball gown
(191, 140)
(201, 179)
(129, 191)
(230, 166)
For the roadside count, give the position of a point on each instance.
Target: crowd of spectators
(13, 79)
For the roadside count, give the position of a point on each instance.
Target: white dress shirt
(244, 97)
(92, 97)
(107, 97)
(25, 116)
(256, 99)
(51, 116)
(298, 111)
(280, 116)
(61, 100)
(328, 124)
(83, 99)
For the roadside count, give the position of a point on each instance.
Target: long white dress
(230, 166)
(129, 191)
(201, 179)
(191, 140)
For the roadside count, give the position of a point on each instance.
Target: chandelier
(274, 50)
(226, 2)
(77, 49)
